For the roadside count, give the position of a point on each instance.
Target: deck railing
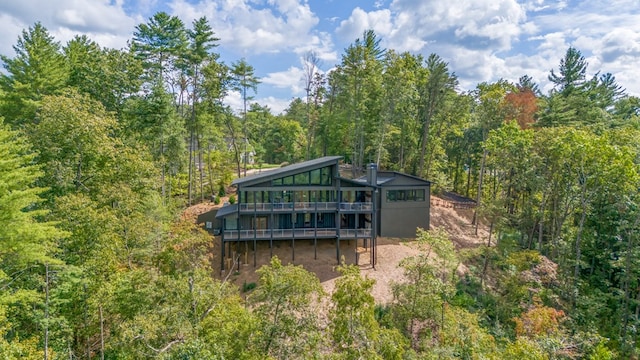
(320, 206)
(306, 233)
(358, 206)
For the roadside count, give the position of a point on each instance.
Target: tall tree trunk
(402, 137)
(210, 171)
(46, 311)
(162, 164)
(541, 222)
(576, 271)
(425, 138)
(200, 166)
(234, 144)
(486, 257)
(476, 221)
(191, 160)
(101, 334)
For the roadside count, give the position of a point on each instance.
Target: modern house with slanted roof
(311, 201)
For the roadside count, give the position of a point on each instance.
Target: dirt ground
(323, 259)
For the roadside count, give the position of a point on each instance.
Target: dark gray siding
(402, 218)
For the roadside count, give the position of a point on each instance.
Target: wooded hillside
(102, 149)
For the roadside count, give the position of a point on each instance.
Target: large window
(314, 177)
(326, 176)
(405, 195)
(248, 197)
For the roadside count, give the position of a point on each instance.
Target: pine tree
(26, 245)
(39, 69)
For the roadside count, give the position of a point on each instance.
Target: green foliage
(28, 244)
(232, 199)
(157, 41)
(461, 336)
(74, 138)
(107, 75)
(354, 330)
(523, 260)
(246, 287)
(285, 303)
(39, 69)
(524, 349)
(601, 352)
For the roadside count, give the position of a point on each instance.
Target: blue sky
(482, 40)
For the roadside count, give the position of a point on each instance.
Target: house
(311, 201)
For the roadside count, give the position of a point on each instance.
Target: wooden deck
(286, 234)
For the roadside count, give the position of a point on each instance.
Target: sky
(482, 40)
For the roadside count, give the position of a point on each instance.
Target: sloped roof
(356, 182)
(226, 210)
(287, 170)
(387, 178)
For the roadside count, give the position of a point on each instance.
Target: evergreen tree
(37, 70)
(244, 79)
(28, 245)
(571, 73)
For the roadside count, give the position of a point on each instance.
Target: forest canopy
(102, 149)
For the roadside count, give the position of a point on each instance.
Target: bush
(232, 199)
(248, 286)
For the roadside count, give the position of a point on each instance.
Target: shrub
(248, 286)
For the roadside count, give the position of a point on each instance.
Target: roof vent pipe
(372, 174)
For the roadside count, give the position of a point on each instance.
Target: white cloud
(103, 21)
(360, 20)
(322, 45)
(288, 24)
(234, 101)
(11, 28)
(292, 78)
(483, 40)
(80, 15)
(608, 36)
(410, 25)
(277, 105)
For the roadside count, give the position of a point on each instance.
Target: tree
(282, 139)
(355, 91)
(151, 120)
(39, 69)
(522, 106)
(398, 140)
(201, 42)
(283, 303)
(511, 158)
(525, 82)
(311, 61)
(27, 247)
(108, 75)
(158, 43)
(437, 84)
(490, 114)
(243, 80)
(422, 298)
(74, 138)
(572, 72)
(355, 332)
